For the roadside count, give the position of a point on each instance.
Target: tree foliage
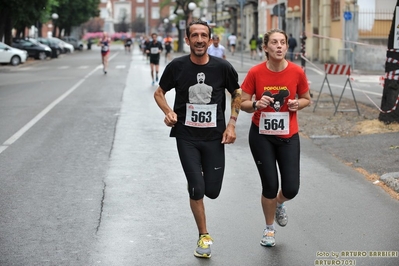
(21, 14)
(74, 13)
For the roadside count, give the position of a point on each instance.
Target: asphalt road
(89, 176)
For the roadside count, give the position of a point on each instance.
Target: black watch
(254, 105)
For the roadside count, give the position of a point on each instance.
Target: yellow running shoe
(204, 246)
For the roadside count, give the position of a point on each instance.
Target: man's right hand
(170, 119)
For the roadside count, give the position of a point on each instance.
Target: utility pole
(303, 36)
(242, 3)
(390, 97)
(216, 13)
(146, 17)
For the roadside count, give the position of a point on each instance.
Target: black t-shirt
(154, 48)
(203, 85)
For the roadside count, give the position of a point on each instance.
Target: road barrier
(336, 69)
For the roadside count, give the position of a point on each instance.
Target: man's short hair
(215, 37)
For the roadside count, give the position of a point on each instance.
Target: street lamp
(166, 25)
(191, 6)
(54, 16)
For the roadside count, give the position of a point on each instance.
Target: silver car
(77, 44)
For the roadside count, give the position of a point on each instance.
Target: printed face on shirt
(201, 77)
(277, 46)
(199, 39)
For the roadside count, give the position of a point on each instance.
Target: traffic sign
(182, 24)
(347, 15)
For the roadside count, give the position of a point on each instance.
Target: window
(155, 12)
(140, 12)
(140, 1)
(335, 9)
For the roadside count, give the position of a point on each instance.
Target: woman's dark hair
(197, 22)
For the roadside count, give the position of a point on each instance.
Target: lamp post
(188, 14)
(242, 3)
(54, 16)
(303, 37)
(191, 7)
(166, 25)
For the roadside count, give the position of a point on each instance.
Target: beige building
(351, 32)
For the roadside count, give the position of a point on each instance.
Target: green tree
(74, 13)
(20, 14)
(391, 86)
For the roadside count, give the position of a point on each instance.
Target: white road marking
(46, 110)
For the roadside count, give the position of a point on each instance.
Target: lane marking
(46, 110)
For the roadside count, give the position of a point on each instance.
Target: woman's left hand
(293, 105)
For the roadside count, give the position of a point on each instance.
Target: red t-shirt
(281, 86)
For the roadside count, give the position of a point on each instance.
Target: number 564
(274, 124)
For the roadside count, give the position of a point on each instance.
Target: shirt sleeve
(248, 84)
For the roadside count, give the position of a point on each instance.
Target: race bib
(274, 123)
(104, 48)
(200, 115)
(154, 50)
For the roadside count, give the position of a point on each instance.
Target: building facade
(135, 12)
(351, 32)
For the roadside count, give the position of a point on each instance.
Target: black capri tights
(266, 151)
(203, 164)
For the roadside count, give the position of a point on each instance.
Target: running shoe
(281, 215)
(153, 83)
(204, 246)
(268, 239)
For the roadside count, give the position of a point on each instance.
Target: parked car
(10, 55)
(77, 44)
(67, 47)
(56, 47)
(34, 48)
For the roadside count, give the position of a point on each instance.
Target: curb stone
(391, 180)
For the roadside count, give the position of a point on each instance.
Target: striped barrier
(334, 69)
(337, 69)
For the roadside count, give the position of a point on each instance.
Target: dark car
(56, 48)
(34, 48)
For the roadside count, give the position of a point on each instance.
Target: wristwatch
(254, 105)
